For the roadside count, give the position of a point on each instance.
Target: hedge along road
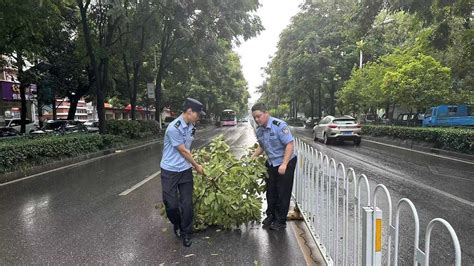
(439, 187)
(77, 215)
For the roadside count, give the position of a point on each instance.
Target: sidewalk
(248, 245)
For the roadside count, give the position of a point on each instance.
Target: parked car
(339, 129)
(369, 119)
(16, 124)
(6, 132)
(408, 119)
(310, 122)
(61, 126)
(92, 127)
(89, 122)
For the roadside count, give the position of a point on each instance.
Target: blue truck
(449, 116)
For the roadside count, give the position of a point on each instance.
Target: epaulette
(277, 123)
(177, 124)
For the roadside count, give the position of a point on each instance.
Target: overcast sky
(255, 53)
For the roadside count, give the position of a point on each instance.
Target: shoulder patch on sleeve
(286, 130)
(277, 123)
(177, 124)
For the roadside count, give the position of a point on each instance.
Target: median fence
(342, 213)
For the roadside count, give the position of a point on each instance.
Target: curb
(414, 146)
(34, 170)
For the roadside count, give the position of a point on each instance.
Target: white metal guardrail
(347, 230)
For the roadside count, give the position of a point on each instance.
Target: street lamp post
(360, 44)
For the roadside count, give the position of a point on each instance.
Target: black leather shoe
(177, 231)
(187, 241)
(268, 221)
(277, 226)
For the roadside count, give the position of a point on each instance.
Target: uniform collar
(183, 123)
(269, 122)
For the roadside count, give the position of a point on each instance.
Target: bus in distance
(228, 118)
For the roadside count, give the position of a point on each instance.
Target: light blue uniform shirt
(273, 139)
(177, 133)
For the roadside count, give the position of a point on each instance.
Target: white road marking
(435, 171)
(422, 152)
(126, 192)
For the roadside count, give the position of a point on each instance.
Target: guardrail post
(371, 236)
(377, 237)
(367, 230)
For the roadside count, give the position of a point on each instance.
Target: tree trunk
(82, 89)
(53, 105)
(137, 64)
(332, 95)
(159, 78)
(23, 109)
(95, 67)
(393, 111)
(290, 114)
(73, 100)
(164, 46)
(40, 114)
(129, 87)
(136, 77)
(101, 94)
(319, 103)
(296, 109)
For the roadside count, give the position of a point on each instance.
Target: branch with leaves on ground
(231, 191)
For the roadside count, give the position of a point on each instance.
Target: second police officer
(275, 139)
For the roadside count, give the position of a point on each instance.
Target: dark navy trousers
(178, 198)
(279, 188)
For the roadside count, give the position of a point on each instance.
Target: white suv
(16, 124)
(339, 129)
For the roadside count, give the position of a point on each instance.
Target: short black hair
(259, 107)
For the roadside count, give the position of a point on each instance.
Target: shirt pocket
(274, 140)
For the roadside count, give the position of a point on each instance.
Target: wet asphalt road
(76, 216)
(438, 187)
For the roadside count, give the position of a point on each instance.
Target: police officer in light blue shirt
(176, 170)
(275, 139)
